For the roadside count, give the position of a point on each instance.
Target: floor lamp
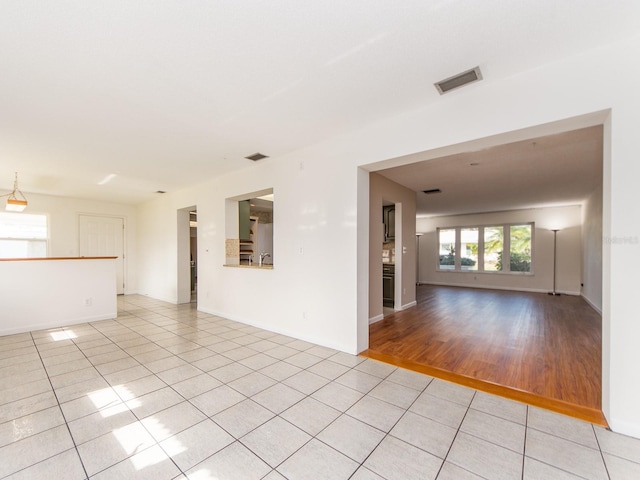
(418, 235)
(555, 255)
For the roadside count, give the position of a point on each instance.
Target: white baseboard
(375, 319)
(59, 324)
(591, 304)
(511, 289)
(625, 428)
(408, 305)
(173, 301)
(307, 338)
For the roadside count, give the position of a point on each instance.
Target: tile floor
(166, 392)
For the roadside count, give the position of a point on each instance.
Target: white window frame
(44, 240)
(506, 247)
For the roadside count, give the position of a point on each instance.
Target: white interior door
(104, 237)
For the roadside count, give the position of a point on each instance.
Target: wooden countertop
(38, 259)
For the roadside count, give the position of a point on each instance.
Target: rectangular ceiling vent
(459, 80)
(432, 191)
(257, 156)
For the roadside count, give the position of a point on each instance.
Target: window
(23, 235)
(493, 245)
(447, 242)
(520, 248)
(469, 248)
(490, 249)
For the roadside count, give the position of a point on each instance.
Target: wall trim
(172, 301)
(375, 319)
(408, 305)
(486, 287)
(63, 324)
(591, 304)
(625, 428)
(306, 338)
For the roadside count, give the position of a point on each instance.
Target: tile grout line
(604, 462)
(388, 434)
(66, 423)
(276, 414)
(211, 417)
(121, 399)
(444, 460)
(524, 446)
(138, 419)
(284, 360)
(180, 327)
(321, 359)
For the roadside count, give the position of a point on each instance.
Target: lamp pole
(555, 254)
(418, 235)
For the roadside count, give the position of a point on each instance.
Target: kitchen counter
(256, 267)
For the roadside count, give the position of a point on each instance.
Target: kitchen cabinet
(244, 222)
(389, 219)
(388, 285)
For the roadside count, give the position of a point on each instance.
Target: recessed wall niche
(249, 229)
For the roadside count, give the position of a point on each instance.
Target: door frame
(601, 117)
(183, 260)
(125, 252)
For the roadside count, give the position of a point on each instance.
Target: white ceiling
(554, 170)
(167, 93)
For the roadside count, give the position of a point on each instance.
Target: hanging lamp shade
(16, 201)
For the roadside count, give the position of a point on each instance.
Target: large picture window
(23, 235)
(506, 248)
(447, 245)
(469, 248)
(493, 246)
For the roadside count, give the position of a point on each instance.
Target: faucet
(263, 255)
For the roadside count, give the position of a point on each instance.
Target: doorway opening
(391, 257)
(187, 243)
(193, 252)
(469, 285)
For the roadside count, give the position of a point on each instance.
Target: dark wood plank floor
(547, 346)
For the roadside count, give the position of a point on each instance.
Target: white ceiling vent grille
(458, 80)
(257, 156)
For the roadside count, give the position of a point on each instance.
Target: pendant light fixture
(16, 201)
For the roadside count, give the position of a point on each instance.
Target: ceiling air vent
(257, 156)
(459, 80)
(432, 191)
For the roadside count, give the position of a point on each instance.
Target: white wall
(322, 295)
(313, 242)
(49, 293)
(569, 245)
(592, 249)
(382, 189)
(64, 240)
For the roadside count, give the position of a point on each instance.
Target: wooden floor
(532, 347)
